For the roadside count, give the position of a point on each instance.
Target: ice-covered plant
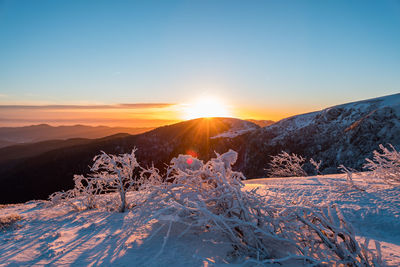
(210, 197)
(148, 178)
(349, 177)
(115, 173)
(316, 165)
(110, 173)
(86, 189)
(385, 165)
(286, 165)
(185, 162)
(207, 196)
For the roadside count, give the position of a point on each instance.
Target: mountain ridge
(38, 176)
(342, 134)
(44, 132)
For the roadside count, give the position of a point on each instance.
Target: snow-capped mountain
(344, 134)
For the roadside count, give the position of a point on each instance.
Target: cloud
(114, 106)
(146, 105)
(86, 120)
(123, 114)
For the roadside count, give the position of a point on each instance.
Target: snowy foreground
(59, 235)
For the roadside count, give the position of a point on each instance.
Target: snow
(359, 107)
(233, 133)
(384, 101)
(336, 119)
(50, 236)
(374, 214)
(59, 235)
(236, 128)
(296, 122)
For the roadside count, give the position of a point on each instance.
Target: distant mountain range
(344, 134)
(44, 132)
(33, 171)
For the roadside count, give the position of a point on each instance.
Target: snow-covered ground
(374, 213)
(61, 236)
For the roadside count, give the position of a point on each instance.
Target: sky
(64, 61)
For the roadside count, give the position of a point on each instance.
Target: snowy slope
(374, 214)
(344, 134)
(237, 127)
(342, 114)
(60, 236)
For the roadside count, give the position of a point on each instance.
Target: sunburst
(206, 107)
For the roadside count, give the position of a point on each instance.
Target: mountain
(20, 151)
(33, 171)
(262, 123)
(4, 143)
(42, 132)
(344, 134)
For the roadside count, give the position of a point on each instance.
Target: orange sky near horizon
(136, 115)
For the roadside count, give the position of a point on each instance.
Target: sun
(206, 107)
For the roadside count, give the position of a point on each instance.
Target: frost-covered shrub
(349, 177)
(323, 237)
(286, 165)
(115, 174)
(9, 221)
(385, 165)
(64, 197)
(85, 192)
(211, 198)
(149, 178)
(316, 165)
(110, 173)
(185, 162)
(208, 196)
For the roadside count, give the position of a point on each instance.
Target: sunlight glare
(206, 107)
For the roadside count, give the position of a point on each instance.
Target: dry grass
(9, 221)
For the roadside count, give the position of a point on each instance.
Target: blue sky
(266, 57)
